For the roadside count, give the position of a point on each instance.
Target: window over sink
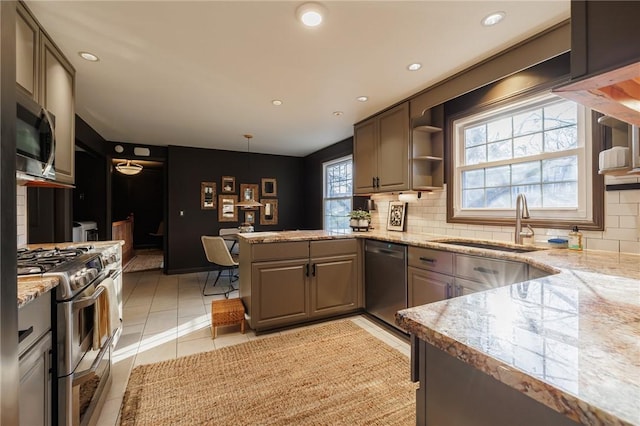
(539, 145)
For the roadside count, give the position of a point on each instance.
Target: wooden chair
(217, 253)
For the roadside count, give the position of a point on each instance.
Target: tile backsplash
(428, 215)
(21, 209)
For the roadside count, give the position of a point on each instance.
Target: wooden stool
(226, 312)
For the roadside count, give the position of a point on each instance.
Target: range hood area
(24, 179)
(615, 93)
(605, 58)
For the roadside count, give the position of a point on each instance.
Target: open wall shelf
(428, 150)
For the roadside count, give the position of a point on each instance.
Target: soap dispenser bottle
(575, 239)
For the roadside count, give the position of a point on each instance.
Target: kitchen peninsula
(568, 341)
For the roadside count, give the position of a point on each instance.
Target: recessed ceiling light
(88, 56)
(338, 113)
(362, 98)
(276, 102)
(414, 67)
(493, 18)
(310, 14)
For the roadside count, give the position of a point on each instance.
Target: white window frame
(584, 210)
(326, 165)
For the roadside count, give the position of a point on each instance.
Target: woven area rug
(334, 374)
(145, 260)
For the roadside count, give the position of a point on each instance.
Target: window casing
(337, 193)
(540, 146)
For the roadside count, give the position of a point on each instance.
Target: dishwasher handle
(389, 250)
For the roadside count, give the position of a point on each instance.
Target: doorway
(141, 196)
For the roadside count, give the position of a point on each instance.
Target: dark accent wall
(188, 167)
(90, 194)
(313, 180)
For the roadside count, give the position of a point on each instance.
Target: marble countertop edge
(559, 400)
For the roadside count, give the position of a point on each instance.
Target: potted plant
(359, 219)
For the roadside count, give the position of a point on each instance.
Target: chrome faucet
(522, 212)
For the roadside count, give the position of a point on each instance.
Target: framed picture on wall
(250, 217)
(397, 213)
(269, 187)
(227, 208)
(249, 191)
(228, 185)
(269, 212)
(207, 195)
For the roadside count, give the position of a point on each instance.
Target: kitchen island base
(453, 392)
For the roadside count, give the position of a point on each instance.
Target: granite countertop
(570, 340)
(30, 287)
(552, 260)
(286, 236)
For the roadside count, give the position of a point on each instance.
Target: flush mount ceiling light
(310, 14)
(338, 113)
(248, 196)
(414, 67)
(362, 98)
(493, 18)
(88, 56)
(276, 102)
(129, 168)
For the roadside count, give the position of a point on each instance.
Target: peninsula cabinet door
(334, 285)
(281, 292)
(428, 287)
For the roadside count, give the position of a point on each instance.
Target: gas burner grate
(40, 260)
(54, 253)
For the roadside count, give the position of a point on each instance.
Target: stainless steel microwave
(35, 140)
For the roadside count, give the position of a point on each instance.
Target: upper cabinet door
(365, 156)
(604, 36)
(393, 149)
(57, 95)
(27, 33)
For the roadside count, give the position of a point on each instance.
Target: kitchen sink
(490, 246)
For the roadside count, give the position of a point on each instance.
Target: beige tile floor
(166, 316)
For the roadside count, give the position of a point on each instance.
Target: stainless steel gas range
(82, 367)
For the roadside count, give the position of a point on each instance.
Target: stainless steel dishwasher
(385, 279)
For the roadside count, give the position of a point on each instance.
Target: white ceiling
(204, 73)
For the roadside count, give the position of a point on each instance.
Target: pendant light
(247, 199)
(129, 168)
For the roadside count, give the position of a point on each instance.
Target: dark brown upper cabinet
(605, 58)
(381, 152)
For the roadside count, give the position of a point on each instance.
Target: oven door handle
(83, 376)
(87, 301)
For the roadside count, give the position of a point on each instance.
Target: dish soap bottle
(575, 239)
